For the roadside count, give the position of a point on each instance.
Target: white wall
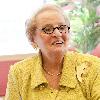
(13, 14)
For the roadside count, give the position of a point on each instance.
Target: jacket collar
(68, 78)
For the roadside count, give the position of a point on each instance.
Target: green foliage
(89, 35)
(61, 2)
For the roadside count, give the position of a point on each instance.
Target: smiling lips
(57, 42)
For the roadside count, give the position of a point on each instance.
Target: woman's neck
(53, 64)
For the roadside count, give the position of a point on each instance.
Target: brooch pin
(82, 70)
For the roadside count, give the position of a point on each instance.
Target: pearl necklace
(51, 73)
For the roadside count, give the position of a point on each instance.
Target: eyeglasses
(49, 29)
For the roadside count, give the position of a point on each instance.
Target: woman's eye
(62, 27)
(47, 29)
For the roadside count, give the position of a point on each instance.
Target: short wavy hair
(31, 23)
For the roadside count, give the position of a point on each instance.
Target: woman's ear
(33, 38)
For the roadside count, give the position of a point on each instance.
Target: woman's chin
(59, 49)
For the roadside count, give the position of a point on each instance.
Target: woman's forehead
(50, 17)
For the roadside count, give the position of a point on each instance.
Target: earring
(35, 46)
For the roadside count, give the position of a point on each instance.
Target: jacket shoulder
(81, 58)
(24, 66)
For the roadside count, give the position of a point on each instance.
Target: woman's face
(51, 40)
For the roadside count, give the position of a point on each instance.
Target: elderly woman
(53, 73)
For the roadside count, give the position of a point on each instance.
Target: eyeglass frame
(43, 29)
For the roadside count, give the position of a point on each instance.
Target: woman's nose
(57, 33)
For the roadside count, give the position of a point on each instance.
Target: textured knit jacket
(80, 79)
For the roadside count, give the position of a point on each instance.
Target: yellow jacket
(80, 79)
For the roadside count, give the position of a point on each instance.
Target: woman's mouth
(57, 42)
